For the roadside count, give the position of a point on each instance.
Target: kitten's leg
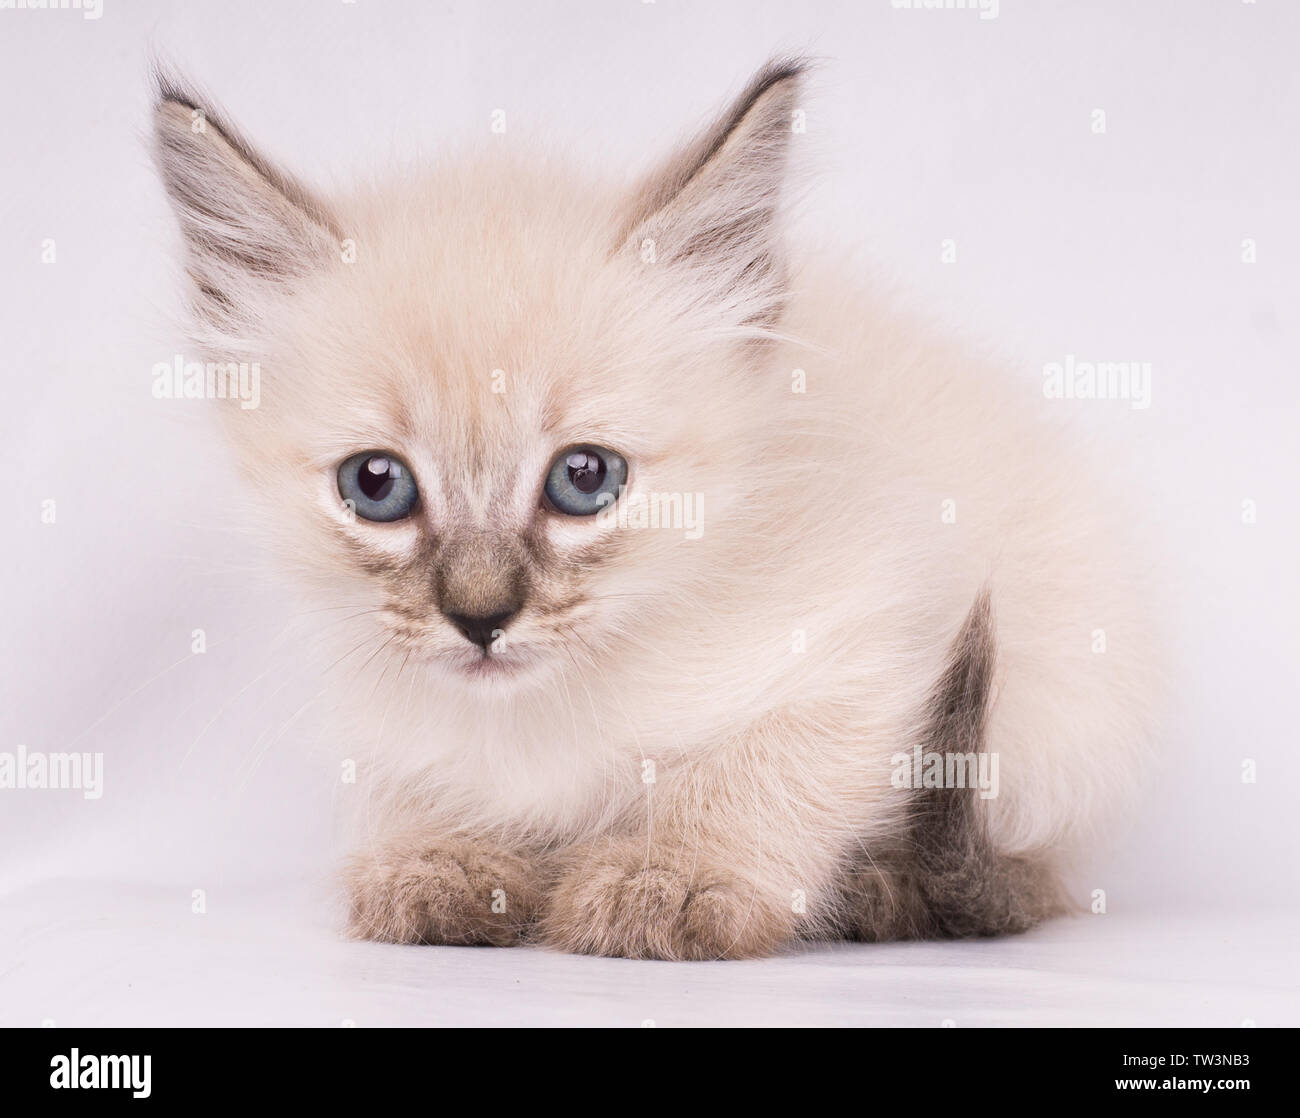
(944, 877)
(625, 895)
(419, 888)
(727, 857)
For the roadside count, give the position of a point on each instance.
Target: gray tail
(946, 879)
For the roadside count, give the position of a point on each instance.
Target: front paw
(451, 891)
(621, 897)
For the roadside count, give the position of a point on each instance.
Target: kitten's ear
(710, 216)
(249, 227)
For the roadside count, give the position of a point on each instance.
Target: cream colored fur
(644, 653)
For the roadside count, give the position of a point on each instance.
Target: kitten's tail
(948, 879)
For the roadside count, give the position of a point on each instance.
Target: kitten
(711, 603)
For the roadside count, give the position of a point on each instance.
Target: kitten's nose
(479, 629)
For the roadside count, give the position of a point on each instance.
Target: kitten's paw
(621, 898)
(442, 891)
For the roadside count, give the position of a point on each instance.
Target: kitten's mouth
(501, 663)
(493, 665)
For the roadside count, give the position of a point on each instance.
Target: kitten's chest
(548, 784)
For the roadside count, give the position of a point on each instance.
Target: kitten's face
(529, 388)
(458, 403)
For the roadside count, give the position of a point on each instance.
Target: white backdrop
(927, 125)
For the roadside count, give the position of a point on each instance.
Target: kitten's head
(481, 385)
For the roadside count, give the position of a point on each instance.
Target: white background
(923, 126)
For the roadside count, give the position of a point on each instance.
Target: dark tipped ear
(712, 211)
(246, 224)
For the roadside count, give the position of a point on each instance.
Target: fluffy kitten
(694, 739)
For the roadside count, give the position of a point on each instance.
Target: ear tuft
(246, 224)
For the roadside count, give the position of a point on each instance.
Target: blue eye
(378, 485)
(585, 479)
